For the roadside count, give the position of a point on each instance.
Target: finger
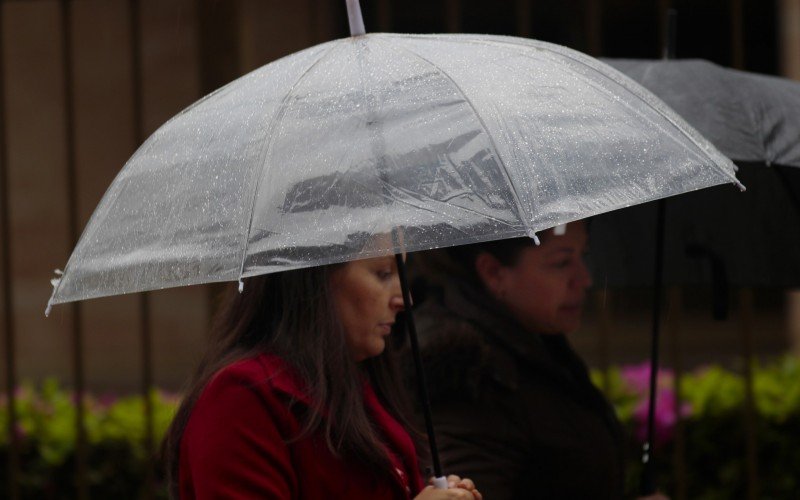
(459, 494)
(466, 483)
(453, 480)
(476, 495)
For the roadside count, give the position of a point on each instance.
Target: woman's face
(367, 298)
(546, 287)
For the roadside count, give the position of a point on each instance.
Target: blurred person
(513, 404)
(297, 396)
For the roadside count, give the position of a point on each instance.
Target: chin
(377, 349)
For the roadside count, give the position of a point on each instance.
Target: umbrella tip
(532, 235)
(355, 18)
(55, 282)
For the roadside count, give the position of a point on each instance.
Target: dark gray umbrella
(749, 117)
(747, 239)
(751, 239)
(754, 237)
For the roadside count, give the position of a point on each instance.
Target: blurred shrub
(117, 459)
(706, 427)
(707, 422)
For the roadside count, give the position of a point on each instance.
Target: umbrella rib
(513, 188)
(459, 207)
(586, 63)
(278, 118)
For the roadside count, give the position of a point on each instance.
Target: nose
(396, 303)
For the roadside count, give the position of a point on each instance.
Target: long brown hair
(292, 315)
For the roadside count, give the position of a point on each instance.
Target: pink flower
(638, 377)
(106, 400)
(665, 418)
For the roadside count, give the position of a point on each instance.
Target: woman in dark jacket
(296, 397)
(513, 404)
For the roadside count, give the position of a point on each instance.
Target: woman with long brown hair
(297, 397)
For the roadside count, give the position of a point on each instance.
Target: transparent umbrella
(452, 138)
(439, 140)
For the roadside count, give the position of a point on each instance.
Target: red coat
(235, 444)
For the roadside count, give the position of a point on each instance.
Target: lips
(386, 328)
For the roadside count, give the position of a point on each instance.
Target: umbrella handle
(440, 483)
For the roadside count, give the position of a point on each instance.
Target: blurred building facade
(85, 81)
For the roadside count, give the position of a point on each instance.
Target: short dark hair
(505, 251)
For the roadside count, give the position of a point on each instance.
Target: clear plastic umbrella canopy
(441, 140)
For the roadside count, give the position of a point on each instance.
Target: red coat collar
(399, 446)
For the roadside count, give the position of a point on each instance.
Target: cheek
(360, 308)
(543, 293)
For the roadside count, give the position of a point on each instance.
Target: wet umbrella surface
(448, 139)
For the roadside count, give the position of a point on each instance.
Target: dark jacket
(514, 411)
(239, 443)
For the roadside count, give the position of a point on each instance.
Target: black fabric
(514, 411)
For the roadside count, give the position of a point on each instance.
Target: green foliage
(706, 454)
(117, 457)
(712, 434)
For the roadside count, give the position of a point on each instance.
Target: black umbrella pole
(422, 387)
(648, 486)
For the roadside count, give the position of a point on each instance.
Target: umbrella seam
(586, 63)
(278, 117)
(520, 206)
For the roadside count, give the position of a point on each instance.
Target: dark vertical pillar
(675, 324)
(220, 47)
(452, 16)
(81, 484)
(737, 34)
(522, 12)
(664, 8)
(219, 62)
(746, 307)
(13, 466)
(594, 23)
(384, 16)
(145, 332)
